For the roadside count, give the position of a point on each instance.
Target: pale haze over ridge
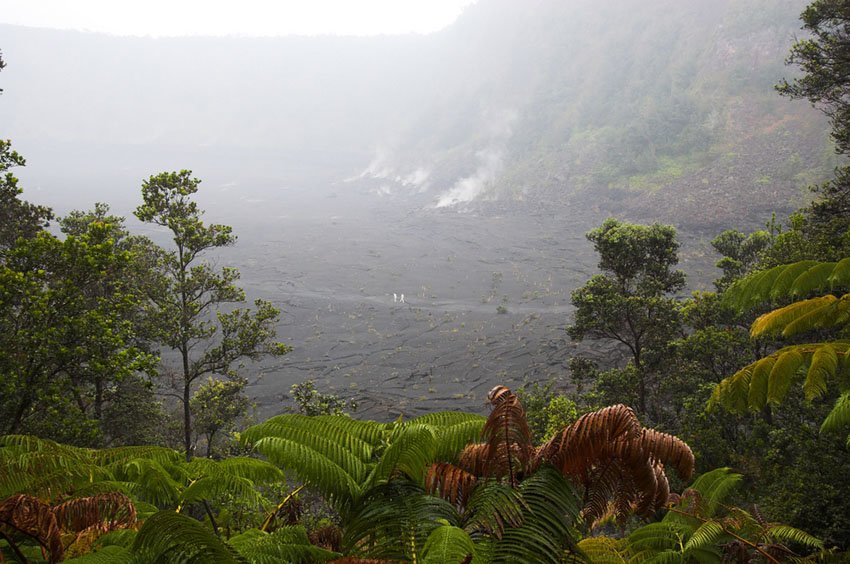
(162, 18)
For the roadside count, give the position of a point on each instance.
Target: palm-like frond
(815, 313)
(698, 525)
(213, 487)
(44, 468)
(258, 471)
(330, 478)
(768, 380)
(707, 493)
(793, 280)
(658, 537)
(170, 537)
(121, 455)
(237, 476)
(158, 483)
(707, 534)
(318, 432)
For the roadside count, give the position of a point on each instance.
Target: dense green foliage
(629, 301)
(188, 302)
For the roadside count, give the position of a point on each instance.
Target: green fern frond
(786, 533)
(333, 481)
(119, 537)
(171, 537)
(816, 278)
(314, 432)
(370, 432)
(447, 544)
(604, 550)
(799, 316)
(839, 418)
(785, 281)
(750, 291)
(706, 555)
(285, 544)
(757, 396)
(732, 393)
(491, 507)
(708, 533)
(411, 452)
(394, 520)
(258, 471)
(214, 487)
(333, 451)
(152, 481)
(446, 419)
(792, 280)
(735, 393)
(784, 369)
(840, 276)
(452, 438)
(714, 487)
(549, 516)
(658, 537)
(120, 455)
(824, 364)
(833, 314)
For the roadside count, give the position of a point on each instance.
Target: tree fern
(170, 537)
(322, 472)
(551, 508)
(394, 520)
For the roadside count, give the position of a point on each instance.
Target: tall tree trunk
(187, 412)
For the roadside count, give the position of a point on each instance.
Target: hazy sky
(242, 17)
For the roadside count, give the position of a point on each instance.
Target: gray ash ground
(487, 296)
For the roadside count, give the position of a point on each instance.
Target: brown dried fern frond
(589, 440)
(508, 434)
(450, 482)
(668, 449)
(34, 518)
(111, 511)
(474, 458)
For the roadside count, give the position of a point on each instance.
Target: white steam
(490, 162)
